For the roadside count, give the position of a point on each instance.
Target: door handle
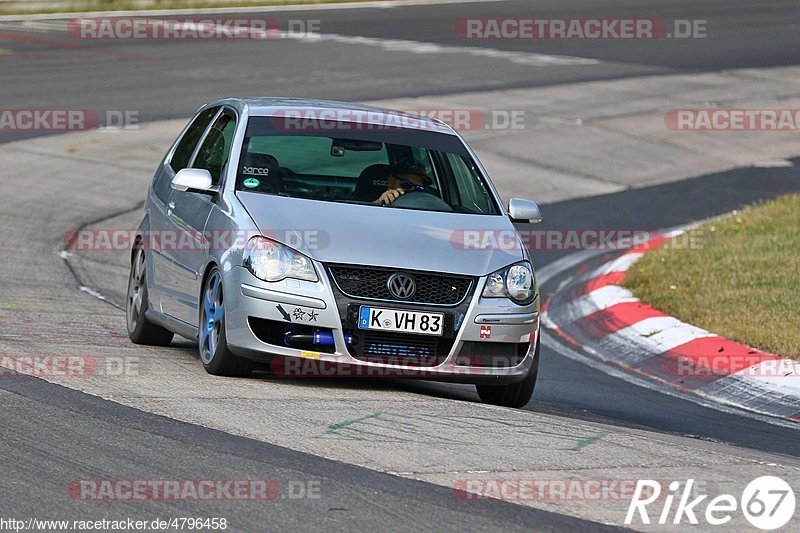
(170, 207)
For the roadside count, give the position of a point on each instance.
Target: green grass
(19, 8)
(740, 279)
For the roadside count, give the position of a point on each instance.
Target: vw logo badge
(401, 285)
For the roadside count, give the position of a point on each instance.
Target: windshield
(398, 168)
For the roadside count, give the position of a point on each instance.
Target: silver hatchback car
(327, 238)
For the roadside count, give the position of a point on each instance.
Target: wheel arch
(144, 227)
(212, 264)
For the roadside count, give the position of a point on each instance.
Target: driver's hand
(390, 196)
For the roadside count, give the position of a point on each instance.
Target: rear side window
(185, 149)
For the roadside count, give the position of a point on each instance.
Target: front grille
(400, 349)
(371, 283)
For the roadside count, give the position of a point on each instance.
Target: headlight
(495, 286)
(515, 282)
(272, 261)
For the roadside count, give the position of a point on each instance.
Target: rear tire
(141, 330)
(515, 394)
(215, 354)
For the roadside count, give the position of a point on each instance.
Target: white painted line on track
(89, 290)
(546, 273)
(620, 264)
(380, 4)
(28, 26)
(419, 47)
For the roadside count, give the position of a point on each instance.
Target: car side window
(215, 150)
(423, 156)
(474, 195)
(185, 149)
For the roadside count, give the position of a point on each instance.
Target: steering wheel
(421, 200)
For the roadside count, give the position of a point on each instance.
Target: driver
(408, 175)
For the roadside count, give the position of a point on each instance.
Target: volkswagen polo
(339, 234)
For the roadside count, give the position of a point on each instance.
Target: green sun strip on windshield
(312, 155)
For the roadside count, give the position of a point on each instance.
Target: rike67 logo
(767, 502)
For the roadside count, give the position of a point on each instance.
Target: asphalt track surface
(52, 435)
(97, 439)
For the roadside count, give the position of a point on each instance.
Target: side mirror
(192, 180)
(524, 211)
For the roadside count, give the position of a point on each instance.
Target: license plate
(403, 321)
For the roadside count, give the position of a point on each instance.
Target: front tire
(513, 395)
(217, 358)
(141, 330)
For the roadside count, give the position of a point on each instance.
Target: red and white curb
(591, 311)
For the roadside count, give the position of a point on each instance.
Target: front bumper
(477, 325)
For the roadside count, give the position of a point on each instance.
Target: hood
(332, 232)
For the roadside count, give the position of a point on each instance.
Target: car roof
(348, 111)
